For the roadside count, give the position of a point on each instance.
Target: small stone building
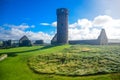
(37, 42)
(24, 41)
(6, 44)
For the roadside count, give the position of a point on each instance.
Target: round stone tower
(62, 26)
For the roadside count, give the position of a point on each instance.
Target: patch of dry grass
(77, 60)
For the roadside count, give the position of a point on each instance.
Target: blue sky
(31, 17)
(34, 12)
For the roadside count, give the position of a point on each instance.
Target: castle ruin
(61, 37)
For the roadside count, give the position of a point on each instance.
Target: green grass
(78, 60)
(15, 67)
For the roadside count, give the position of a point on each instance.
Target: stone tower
(62, 26)
(102, 38)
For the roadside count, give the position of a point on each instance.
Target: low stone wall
(89, 42)
(3, 56)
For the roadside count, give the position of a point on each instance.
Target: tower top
(62, 11)
(102, 34)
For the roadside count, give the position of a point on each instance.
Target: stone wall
(90, 42)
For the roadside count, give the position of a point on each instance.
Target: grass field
(15, 67)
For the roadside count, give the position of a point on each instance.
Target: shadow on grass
(13, 54)
(49, 46)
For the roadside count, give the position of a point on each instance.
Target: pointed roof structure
(24, 38)
(102, 38)
(24, 41)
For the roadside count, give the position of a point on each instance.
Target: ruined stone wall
(62, 32)
(89, 42)
(102, 40)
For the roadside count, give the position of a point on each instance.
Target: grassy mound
(78, 60)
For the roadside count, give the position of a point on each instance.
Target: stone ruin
(61, 37)
(101, 40)
(24, 41)
(62, 27)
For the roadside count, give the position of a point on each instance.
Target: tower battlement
(62, 11)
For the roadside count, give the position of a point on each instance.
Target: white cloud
(45, 24)
(81, 34)
(54, 24)
(102, 20)
(16, 32)
(112, 26)
(84, 23)
(81, 23)
(81, 29)
(22, 26)
(86, 29)
(73, 25)
(39, 35)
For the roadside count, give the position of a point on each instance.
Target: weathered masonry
(62, 27)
